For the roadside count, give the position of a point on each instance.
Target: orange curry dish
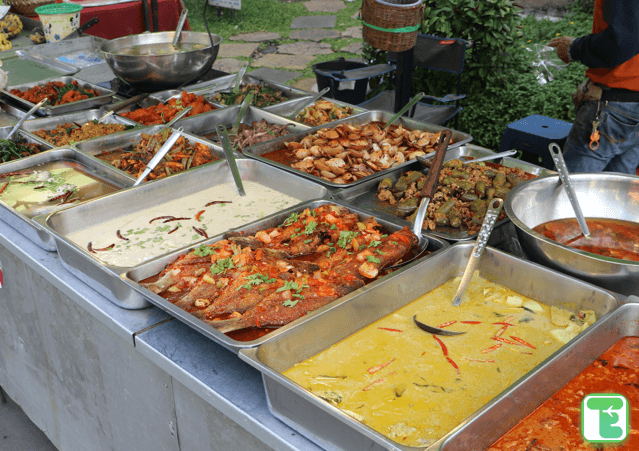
(556, 424)
(163, 113)
(57, 92)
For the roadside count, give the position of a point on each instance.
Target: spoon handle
(239, 76)
(180, 25)
(230, 158)
(26, 116)
(492, 214)
(494, 156)
(159, 155)
(240, 115)
(179, 116)
(412, 102)
(564, 176)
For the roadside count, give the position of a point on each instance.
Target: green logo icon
(605, 418)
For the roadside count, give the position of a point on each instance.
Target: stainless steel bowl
(150, 73)
(605, 195)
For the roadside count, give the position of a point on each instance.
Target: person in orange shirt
(605, 133)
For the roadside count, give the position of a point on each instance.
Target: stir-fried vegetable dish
(57, 92)
(183, 155)
(262, 95)
(462, 195)
(17, 148)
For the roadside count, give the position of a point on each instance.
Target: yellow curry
(413, 386)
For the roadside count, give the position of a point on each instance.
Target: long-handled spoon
(240, 75)
(35, 108)
(110, 113)
(564, 176)
(240, 115)
(406, 107)
(178, 30)
(309, 101)
(159, 155)
(492, 213)
(495, 156)
(230, 158)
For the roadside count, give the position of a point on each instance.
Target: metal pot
(604, 195)
(169, 69)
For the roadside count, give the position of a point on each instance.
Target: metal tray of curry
(367, 195)
(450, 369)
(49, 130)
(126, 152)
(353, 150)
(48, 110)
(331, 282)
(100, 240)
(50, 181)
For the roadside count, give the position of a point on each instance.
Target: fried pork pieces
(253, 281)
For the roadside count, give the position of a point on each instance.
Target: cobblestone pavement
(312, 35)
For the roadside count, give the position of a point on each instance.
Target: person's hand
(561, 44)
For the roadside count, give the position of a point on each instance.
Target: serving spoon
(426, 193)
(309, 101)
(35, 108)
(564, 176)
(230, 158)
(492, 213)
(159, 155)
(406, 107)
(178, 30)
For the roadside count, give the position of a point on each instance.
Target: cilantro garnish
(291, 219)
(374, 243)
(345, 237)
(372, 259)
(333, 227)
(290, 303)
(255, 280)
(221, 266)
(310, 227)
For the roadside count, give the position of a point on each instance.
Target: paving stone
(258, 36)
(314, 22)
(229, 65)
(314, 34)
(307, 84)
(355, 47)
(235, 50)
(325, 6)
(305, 48)
(352, 32)
(280, 76)
(294, 62)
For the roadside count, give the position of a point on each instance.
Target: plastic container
(342, 88)
(59, 20)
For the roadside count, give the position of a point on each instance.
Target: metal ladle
(159, 155)
(230, 158)
(564, 176)
(492, 213)
(178, 30)
(426, 193)
(35, 108)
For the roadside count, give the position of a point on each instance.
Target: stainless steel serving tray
(365, 194)
(30, 227)
(130, 138)
(333, 429)
(156, 266)
(81, 117)
(85, 104)
(288, 108)
(23, 67)
(204, 124)
(101, 276)
(363, 118)
(228, 82)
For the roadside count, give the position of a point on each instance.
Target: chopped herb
(166, 228)
(308, 241)
(221, 266)
(379, 252)
(313, 214)
(372, 259)
(394, 243)
(345, 237)
(288, 285)
(290, 303)
(255, 280)
(139, 232)
(310, 227)
(374, 243)
(297, 295)
(333, 227)
(291, 219)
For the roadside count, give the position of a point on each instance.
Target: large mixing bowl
(604, 195)
(164, 68)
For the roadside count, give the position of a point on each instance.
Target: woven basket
(385, 23)
(26, 7)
